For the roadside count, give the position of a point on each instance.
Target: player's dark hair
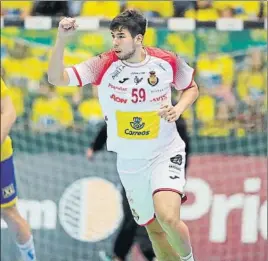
(132, 20)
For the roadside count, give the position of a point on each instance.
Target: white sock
(190, 257)
(27, 250)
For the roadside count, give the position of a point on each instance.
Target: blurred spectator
(152, 8)
(182, 43)
(150, 38)
(246, 10)
(3, 74)
(180, 7)
(202, 10)
(16, 95)
(21, 67)
(216, 75)
(18, 98)
(252, 83)
(16, 8)
(104, 9)
(216, 104)
(263, 10)
(50, 8)
(50, 112)
(97, 42)
(90, 110)
(212, 119)
(227, 12)
(75, 7)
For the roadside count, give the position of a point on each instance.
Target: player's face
(123, 44)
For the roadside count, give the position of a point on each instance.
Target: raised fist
(67, 27)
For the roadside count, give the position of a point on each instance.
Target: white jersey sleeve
(90, 71)
(183, 75)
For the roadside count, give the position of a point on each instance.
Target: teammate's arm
(8, 116)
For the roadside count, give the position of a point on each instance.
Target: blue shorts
(8, 184)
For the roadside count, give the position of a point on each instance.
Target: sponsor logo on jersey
(117, 88)
(177, 159)
(159, 90)
(174, 167)
(162, 67)
(118, 99)
(153, 79)
(117, 71)
(160, 98)
(137, 73)
(123, 80)
(137, 125)
(174, 177)
(137, 80)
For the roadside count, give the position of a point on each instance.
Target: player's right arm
(8, 112)
(90, 71)
(57, 74)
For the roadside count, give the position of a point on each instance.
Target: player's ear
(139, 39)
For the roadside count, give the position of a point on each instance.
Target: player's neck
(138, 56)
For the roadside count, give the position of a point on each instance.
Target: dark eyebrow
(119, 33)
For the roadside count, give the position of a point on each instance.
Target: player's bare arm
(188, 97)
(8, 116)
(57, 74)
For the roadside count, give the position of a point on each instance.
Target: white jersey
(131, 95)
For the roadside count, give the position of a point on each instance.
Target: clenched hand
(67, 27)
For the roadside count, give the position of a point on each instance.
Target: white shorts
(143, 178)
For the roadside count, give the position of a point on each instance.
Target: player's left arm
(183, 82)
(187, 98)
(8, 116)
